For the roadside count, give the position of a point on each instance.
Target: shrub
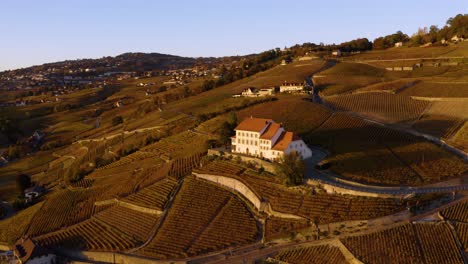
(117, 120)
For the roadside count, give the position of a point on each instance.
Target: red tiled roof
(284, 140)
(270, 131)
(253, 124)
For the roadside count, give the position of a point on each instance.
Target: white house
(292, 87)
(250, 92)
(336, 53)
(254, 92)
(264, 138)
(398, 44)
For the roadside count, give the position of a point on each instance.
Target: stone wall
(245, 191)
(129, 206)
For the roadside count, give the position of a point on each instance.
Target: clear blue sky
(39, 31)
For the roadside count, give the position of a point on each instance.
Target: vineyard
(443, 118)
(313, 255)
(321, 207)
(279, 227)
(180, 145)
(296, 114)
(183, 166)
(154, 196)
(408, 243)
(458, 212)
(462, 232)
(135, 224)
(346, 77)
(438, 244)
(460, 138)
(368, 153)
(202, 218)
(437, 89)
(89, 235)
(63, 209)
(13, 228)
(391, 87)
(382, 106)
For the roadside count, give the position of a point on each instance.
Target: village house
(292, 87)
(264, 138)
(398, 44)
(336, 53)
(254, 92)
(26, 251)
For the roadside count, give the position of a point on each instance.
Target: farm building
(398, 44)
(292, 87)
(254, 92)
(267, 139)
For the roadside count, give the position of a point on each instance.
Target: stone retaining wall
(243, 189)
(129, 206)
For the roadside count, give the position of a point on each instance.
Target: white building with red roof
(264, 138)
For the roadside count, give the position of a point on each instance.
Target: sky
(39, 31)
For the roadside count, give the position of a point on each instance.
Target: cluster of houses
(286, 87)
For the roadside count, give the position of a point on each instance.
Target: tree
(117, 120)
(227, 128)
(292, 167)
(23, 181)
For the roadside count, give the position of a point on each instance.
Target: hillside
(130, 174)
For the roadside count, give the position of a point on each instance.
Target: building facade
(292, 87)
(264, 138)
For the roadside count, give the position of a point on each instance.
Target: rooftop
(253, 124)
(270, 131)
(285, 139)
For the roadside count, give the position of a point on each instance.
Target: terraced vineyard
(443, 118)
(63, 209)
(437, 89)
(438, 244)
(460, 138)
(15, 227)
(297, 114)
(462, 232)
(383, 106)
(320, 207)
(458, 212)
(278, 227)
(368, 153)
(313, 255)
(135, 224)
(183, 166)
(418, 243)
(197, 221)
(154, 196)
(89, 235)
